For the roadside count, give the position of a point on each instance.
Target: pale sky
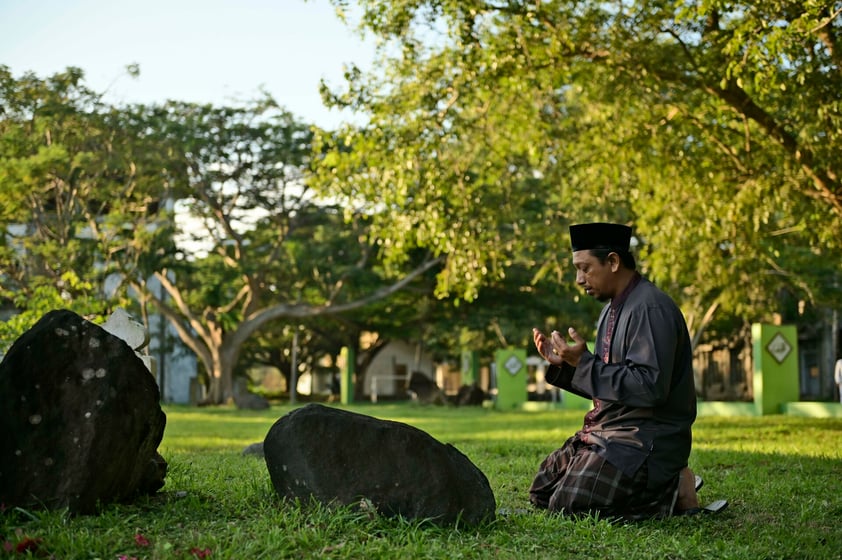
(191, 50)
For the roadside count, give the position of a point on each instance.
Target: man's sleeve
(642, 377)
(562, 376)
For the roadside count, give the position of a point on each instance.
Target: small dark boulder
(470, 395)
(341, 457)
(245, 399)
(250, 401)
(80, 418)
(253, 450)
(424, 390)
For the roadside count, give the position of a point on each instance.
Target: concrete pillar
(470, 367)
(346, 375)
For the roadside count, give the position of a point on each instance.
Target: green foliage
(319, 261)
(254, 247)
(494, 125)
(778, 473)
(71, 180)
(203, 213)
(70, 293)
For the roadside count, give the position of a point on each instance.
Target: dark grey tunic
(645, 396)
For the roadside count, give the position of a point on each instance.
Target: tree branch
(828, 38)
(175, 319)
(251, 324)
(827, 188)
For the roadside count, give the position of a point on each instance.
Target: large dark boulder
(341, 457)
(80, 418)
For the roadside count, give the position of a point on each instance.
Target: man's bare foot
(687, 498)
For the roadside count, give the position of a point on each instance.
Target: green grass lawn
(781, 475)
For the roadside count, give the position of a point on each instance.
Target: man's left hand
(569, 353)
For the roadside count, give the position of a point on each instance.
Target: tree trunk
(364, 360)
(221, 376)
(214, 395)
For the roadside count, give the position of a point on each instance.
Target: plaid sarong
(575, 479)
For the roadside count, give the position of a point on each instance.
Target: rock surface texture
(80, 418)
(336, 456)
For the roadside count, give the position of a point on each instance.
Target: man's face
(596, 278)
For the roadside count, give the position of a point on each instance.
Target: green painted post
(511, 378)
(346, 380)
(775, 353)
(470, 367)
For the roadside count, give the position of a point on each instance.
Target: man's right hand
(545, 347)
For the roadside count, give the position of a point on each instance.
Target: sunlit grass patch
(781, 476)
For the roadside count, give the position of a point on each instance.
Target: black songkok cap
(615, 237)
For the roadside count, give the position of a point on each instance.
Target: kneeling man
(630, 459)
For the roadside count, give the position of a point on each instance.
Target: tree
(320, 246)
(678, 117)
(70, 176)
(239, 201)
(196, 200)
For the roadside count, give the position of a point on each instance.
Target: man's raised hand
(545, 347)
(569, 353)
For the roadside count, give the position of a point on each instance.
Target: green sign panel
(775, 356)
(510, 365)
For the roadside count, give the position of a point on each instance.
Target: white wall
(399, 356)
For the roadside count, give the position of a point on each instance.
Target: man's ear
(614, 261)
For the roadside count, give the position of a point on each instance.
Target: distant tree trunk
(700, 329)
(221, 390)
(215, 394)
(364, 360)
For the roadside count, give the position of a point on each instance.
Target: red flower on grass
(28, 545)
(200, 552)
(141, 540)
